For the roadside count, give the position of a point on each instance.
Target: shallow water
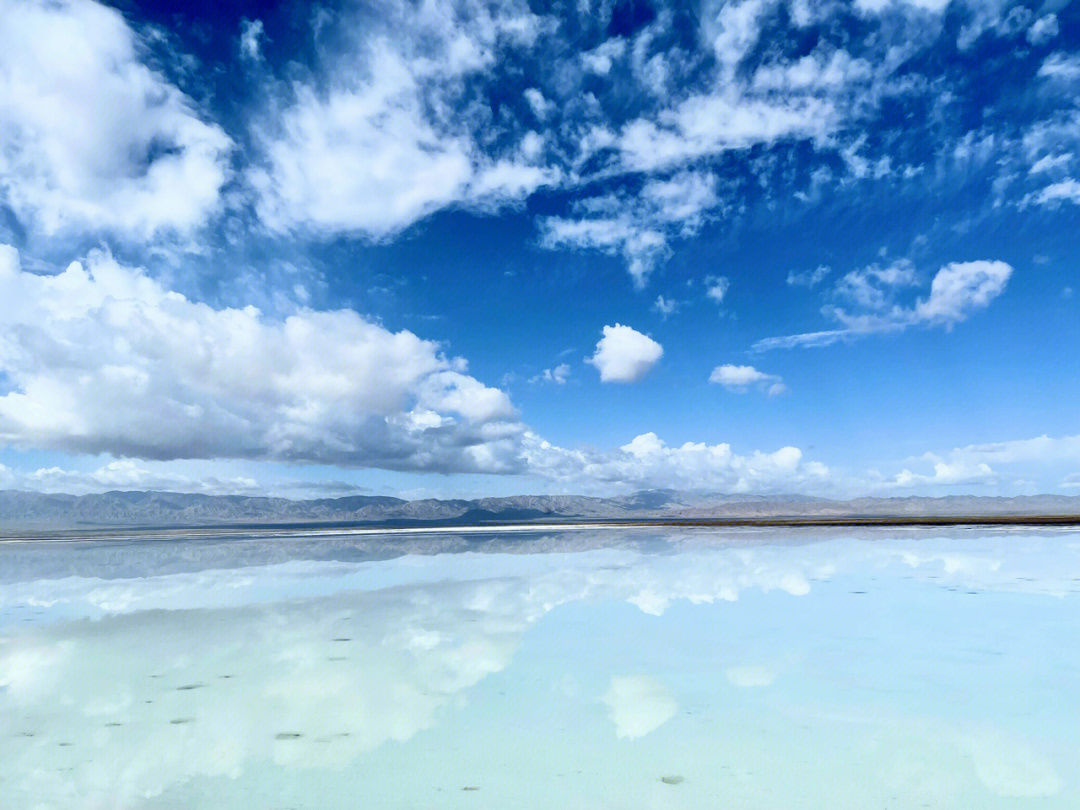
(613, 669)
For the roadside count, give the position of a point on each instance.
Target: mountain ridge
(125, 508)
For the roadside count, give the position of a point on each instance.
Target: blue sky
(457, 248)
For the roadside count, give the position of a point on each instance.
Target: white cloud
(1061, 67)
(638, 704)
(716, 287)
(1065, 191)
(808, 278)
(821, 70)
(983, 463)
(362, 159)
(557, 375)
(385, 145)
(732, 29)
(599, 59)
(665, 306)
(649, 462)
(873, 287)
(956, 291)
(1043, 30)
(540, 106)
(639, 243)
(945, 473)
(251, 31)
(1050, 163)
(741, 378)
(103, 359)
(1042, 449)
(91, 138)
(625, 355)
(639, 228)
(128, 474)
(705, 125)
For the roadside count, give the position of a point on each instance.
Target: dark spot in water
(113, 725)
(65, 744)
(179, 721)
(342, 639)
(337, 658)
(859, 592)
(26, 734)
(188, 687)
(470, 787)
(671, 780)
(288, 735)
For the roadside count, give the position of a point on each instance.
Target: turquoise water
(599, 669)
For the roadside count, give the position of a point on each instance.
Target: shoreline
(300, 530)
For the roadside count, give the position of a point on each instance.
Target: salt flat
(622, 668)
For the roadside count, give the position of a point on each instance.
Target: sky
(453, 249)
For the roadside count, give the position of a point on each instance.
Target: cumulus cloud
(92, 138)
(957, 290)
(741, 378)
(984, 464)
(945, 473)
(649, 462)
(104, 359)
(625, 355)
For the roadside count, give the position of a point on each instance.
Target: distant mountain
(33, 510)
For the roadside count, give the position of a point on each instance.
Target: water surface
(606, 669)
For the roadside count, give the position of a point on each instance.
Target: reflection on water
(631, 669)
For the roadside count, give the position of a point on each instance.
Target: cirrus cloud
(957, 290)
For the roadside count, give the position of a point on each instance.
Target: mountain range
(33, 510)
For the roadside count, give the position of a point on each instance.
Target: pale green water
(754, 669)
